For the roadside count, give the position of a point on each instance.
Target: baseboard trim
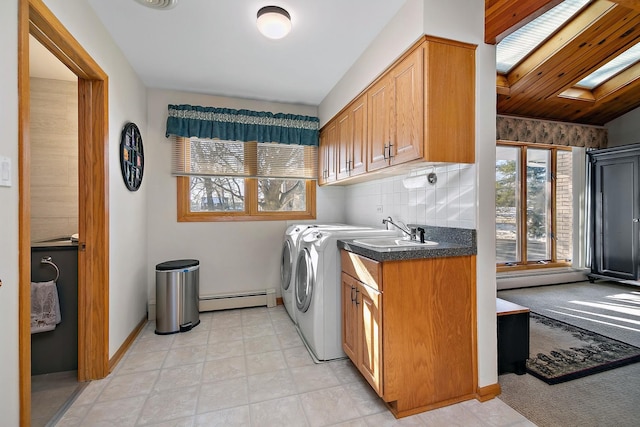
(127, 344)
(488, 392)
(279, 301)
(539, 277)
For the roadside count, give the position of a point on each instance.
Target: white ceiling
(213, 46)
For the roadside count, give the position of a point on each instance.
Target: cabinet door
(322, 156)
(407, 121)
(349, 317)
(344, 143)
(380, 105)
(358, 152)
(617, 211)
(369, 303)
(327, 156)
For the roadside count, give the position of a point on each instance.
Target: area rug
(561, 352)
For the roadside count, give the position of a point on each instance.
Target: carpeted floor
(605, 399)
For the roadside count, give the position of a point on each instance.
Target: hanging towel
(45, 307)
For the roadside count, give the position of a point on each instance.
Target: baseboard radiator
(525, 279)
(266, 297)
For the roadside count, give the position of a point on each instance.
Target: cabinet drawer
(364, 269)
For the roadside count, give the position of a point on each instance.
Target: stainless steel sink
(392, 242)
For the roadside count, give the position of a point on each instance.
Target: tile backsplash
(410, 198)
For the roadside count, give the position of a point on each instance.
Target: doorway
(93, 223)
(53, 136)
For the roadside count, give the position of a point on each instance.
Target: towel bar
(47, 260)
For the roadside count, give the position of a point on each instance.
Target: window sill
(221, 217)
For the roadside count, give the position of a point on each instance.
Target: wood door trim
(93, 262)
(24, 216)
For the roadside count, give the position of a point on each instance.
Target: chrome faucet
(400, 226)
(411, 233)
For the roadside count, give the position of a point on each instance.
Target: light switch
(5, 172)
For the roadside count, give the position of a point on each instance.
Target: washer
(289, 256)
(317, 294)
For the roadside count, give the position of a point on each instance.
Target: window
(237, 181)
(611, 68)
(534, 206)
(519, 44)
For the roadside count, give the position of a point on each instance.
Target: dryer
(317, 294)
(289, 256)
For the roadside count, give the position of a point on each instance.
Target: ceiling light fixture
(274, 22)
(159, 4)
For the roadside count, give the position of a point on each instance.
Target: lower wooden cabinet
(410, 328)
(361, 337)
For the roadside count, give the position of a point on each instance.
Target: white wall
(9, 404)
(234, 256)
(464, 20)
(459, 20)
(403, 30)
(625, 129)
(127, 210)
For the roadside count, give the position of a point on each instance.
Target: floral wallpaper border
(547, 132)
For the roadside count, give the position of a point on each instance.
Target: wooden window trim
(251, 212)
(523, 264)
(501, 268)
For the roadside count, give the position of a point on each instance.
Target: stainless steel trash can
(177, 292)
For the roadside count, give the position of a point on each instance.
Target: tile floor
(49, 393)
(248, 367)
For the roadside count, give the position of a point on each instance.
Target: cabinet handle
(384, 153)
(390, 155)
(352, 294)
(357, 292)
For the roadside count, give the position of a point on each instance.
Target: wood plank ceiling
(542, 85)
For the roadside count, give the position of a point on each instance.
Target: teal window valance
(242, 125)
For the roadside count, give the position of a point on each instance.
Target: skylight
(611, 68)
(513, 48)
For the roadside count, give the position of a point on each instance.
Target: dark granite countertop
(452, 242)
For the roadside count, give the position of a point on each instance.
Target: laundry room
(227, 249)
(258, 353)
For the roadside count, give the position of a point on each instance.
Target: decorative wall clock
(131, 156)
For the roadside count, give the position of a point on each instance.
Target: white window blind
(209, 157)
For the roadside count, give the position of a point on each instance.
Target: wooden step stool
(513, 337)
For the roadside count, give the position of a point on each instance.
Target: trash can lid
(177, 264)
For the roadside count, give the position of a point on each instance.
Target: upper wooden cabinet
(327, 171)
(395, 115)
(421, 109)
(449, 101)
(352, 139)
(379, 123)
